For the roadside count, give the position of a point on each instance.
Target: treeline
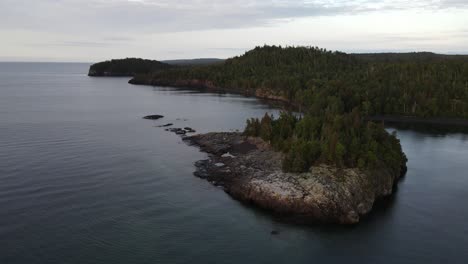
(335, 92)
(126, 67)
(415, 84)
(341, 140)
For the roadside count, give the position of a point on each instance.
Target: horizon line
(123, 57)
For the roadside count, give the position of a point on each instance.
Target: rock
(166, 125)
(153, 117)
(189, 130)
(177, 131)
(324, 194)
(227, 155)
(352, 217)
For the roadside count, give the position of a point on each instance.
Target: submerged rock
(177, 131)
(153, 117)
(166, 125)
(325, 194)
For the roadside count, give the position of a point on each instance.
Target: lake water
(84, 179)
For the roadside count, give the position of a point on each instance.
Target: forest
(341, 140)
(412, 84)
(126, 67)
(335, 92)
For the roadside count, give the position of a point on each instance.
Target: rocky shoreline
(265, 94)
(209, 86)
(250, 170)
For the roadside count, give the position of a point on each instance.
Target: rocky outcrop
(153, 117)
(262, 93)
(181, 131)
(250, 170)
(267, 94)
(166, 125)
(192, 83)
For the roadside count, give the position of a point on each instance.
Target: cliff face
(192, 83)
(208, 85)
(249, 170)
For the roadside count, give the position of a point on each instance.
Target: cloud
(80, 29)
(127, 16)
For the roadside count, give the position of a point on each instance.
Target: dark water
(83, 179)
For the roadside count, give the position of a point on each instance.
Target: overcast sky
(94, 30)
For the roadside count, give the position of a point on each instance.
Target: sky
(95, 30)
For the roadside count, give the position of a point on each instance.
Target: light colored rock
(326, 193)
(227, 155)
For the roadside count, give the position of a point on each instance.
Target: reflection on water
(430, 129)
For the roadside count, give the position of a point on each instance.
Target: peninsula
(334, 160)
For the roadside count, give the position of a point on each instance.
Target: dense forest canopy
(411, 56)
(126, 67)
(191, 62)
(335, 91)
(341, 140)
(416, 84)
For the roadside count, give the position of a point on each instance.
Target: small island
(331, 158)
(128, 67)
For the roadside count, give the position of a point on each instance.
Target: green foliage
(335, 92)
(126, 67)
(266, 128)
(416, 84)
(339, 140)
(253, 127)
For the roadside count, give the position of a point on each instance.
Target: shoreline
(209, 86)
(264, 95)
(448, 121)
(249, 170)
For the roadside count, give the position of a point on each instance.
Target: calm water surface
(83, 179)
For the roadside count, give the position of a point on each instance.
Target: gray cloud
(81, 44)
(105, 43)
(127, 16)
(165, 29)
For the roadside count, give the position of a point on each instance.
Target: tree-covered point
(415, 84)
(342, 140)
(335, 92)
(126, 67)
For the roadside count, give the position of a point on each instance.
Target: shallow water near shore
(84, 179)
